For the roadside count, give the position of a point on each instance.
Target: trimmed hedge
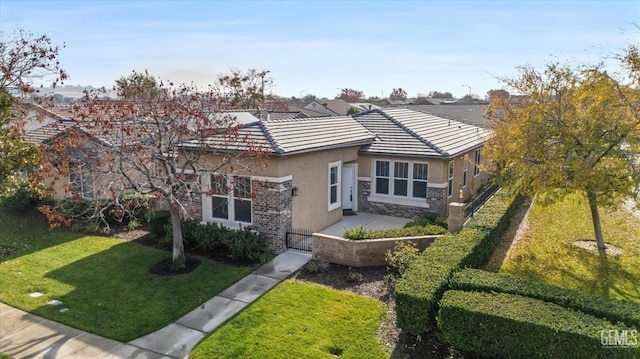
(418, 291)
(507, 325)
(611, 309)
(363, 233)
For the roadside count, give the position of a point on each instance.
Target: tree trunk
(179, 259)
(595, 217)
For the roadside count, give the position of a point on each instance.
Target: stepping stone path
(54, 302)
(35, 295)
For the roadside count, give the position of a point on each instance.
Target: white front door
(349, 190)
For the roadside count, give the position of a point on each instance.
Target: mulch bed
(166, 267)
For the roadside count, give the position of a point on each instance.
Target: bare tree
(138, 146)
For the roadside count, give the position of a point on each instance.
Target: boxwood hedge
(418, 291)
(611, 309)
(507, 325)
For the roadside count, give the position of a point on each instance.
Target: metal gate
(299, 239)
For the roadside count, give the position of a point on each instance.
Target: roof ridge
(412, 133)
(277, 147)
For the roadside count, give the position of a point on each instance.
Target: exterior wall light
(294, 191)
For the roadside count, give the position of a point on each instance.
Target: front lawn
(546, 252)
(104, 284)
(300, 320)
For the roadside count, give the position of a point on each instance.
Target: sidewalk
(23, 335)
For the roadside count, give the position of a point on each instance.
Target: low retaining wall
(361, 253)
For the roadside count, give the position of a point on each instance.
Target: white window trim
(476, 163)
(465, 171)
(450, 177)
(207, 205)
(338, 204)
(85, 182)
(390, 198)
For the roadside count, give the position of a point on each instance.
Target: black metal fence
(299, 239)
(478, 200)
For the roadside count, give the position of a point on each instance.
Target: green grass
(105, 283)
(546, 252)
(300, 320)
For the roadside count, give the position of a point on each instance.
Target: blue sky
(319, 47)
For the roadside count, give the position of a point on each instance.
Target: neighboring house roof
(470, 114)
(411, 133)
(364, 106)
(293, 136)
(307, 112)
(45, 133)
(338, 107)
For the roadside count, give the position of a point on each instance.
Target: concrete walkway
(23, 335)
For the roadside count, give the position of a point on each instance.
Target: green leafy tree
(398, 94)
(245, 89)
(436, 94)
(24, 59)
(137, 86)
(350, 95)
(574, 129)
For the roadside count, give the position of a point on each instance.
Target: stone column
(456, 216)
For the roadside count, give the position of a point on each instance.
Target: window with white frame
(420, 175)
(81, 180)
(335, 169)
(382, 177)
(407, 180)
(231, 205)
(464, 171)
(450, 182)
(476, 165)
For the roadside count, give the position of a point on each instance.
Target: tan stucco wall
(438, 172)
(310, 172)
(311, 176)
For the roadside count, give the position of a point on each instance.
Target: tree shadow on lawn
(115, 294)
(604, 268)
(26, 232)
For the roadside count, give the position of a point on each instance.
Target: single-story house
(396, 162)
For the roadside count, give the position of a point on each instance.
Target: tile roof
(411, 133)
(308, 134)
(292, 136)
(47, 132)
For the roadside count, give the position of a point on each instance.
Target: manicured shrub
(210, 238)
(157, 221)
(24, 198)
(244, 244)
(363, 233)
(403, 254)
(611, 309)
(511, 326)
(419, 290)
(429, 218)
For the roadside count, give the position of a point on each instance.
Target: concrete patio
(368, 220)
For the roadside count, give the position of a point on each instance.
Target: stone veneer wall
(361, 253)
(272, 213)
(437, 203)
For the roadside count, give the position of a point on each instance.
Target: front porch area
(368, 220)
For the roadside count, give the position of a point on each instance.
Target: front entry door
(348, 187)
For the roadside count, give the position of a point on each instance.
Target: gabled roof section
(411, 133)
(294, 136)
(48, 132)
(311, 134)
